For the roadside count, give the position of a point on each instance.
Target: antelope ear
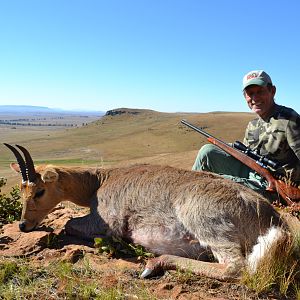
(49, 175)
(15, 167)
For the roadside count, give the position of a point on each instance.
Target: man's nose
(254, 96)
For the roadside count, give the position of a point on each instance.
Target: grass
(65, 162)
(20, 279)
(280, 270)
(76, 161)
(184, 276)
(60, 280)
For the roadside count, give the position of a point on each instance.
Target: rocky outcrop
(49, 235)
(129, 111)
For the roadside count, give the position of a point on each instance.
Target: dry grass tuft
(279, 270)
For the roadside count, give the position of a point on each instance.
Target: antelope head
(38, 189)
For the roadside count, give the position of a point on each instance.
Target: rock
(128, 111)
(13, 242)
(69, 253)
(122, 111)
(50, 234)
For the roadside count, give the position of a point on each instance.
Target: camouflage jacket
(278, 138)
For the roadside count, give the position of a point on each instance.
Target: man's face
(260, 99)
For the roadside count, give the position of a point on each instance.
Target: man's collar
(274, 111)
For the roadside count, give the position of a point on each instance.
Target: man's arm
(293, 135)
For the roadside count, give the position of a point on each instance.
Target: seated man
(275, 133)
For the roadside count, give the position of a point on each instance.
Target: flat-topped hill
(129, 111)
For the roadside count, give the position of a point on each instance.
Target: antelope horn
(29, 164)
(20, 161)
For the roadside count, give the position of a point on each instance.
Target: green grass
(76, 161)
(116, 247)
(59, 280)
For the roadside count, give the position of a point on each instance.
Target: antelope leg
(87, 227)
(172, 262)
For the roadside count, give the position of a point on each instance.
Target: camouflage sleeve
(293, 135)
(245, 140)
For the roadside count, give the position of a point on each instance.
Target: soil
(50, 243)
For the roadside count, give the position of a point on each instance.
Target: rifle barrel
(206, 134)
(196, 129)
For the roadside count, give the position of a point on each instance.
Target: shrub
(116, 247)
(10, 206)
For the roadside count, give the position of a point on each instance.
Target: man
(275, 134)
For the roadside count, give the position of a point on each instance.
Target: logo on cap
(252, 75)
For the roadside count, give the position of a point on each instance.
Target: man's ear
(273, 90)
(15, 167)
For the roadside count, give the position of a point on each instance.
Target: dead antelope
(184, 216)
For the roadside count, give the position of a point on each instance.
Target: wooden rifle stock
(288, 192)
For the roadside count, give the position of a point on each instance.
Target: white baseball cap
(258, 77)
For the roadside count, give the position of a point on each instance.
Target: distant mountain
(30, 109)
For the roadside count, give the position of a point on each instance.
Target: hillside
(125, 136)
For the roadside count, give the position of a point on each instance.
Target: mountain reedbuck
(184, 216)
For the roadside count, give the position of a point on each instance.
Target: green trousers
(213, 159)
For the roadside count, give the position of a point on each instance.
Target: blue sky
(166, 55)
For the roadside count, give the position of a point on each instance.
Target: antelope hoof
(147, 273)
(153, 267)
(156, 266)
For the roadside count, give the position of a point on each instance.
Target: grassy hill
(124, 136)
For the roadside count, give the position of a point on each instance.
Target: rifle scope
(262, 160)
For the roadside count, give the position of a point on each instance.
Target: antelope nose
(22, 226)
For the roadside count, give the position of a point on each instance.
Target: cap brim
(255, 82)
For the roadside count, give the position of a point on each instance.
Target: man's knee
(205, 154)
(207, 150)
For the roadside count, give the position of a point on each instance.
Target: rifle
(260, 164)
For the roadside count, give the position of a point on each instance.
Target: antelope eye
(39, 194)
